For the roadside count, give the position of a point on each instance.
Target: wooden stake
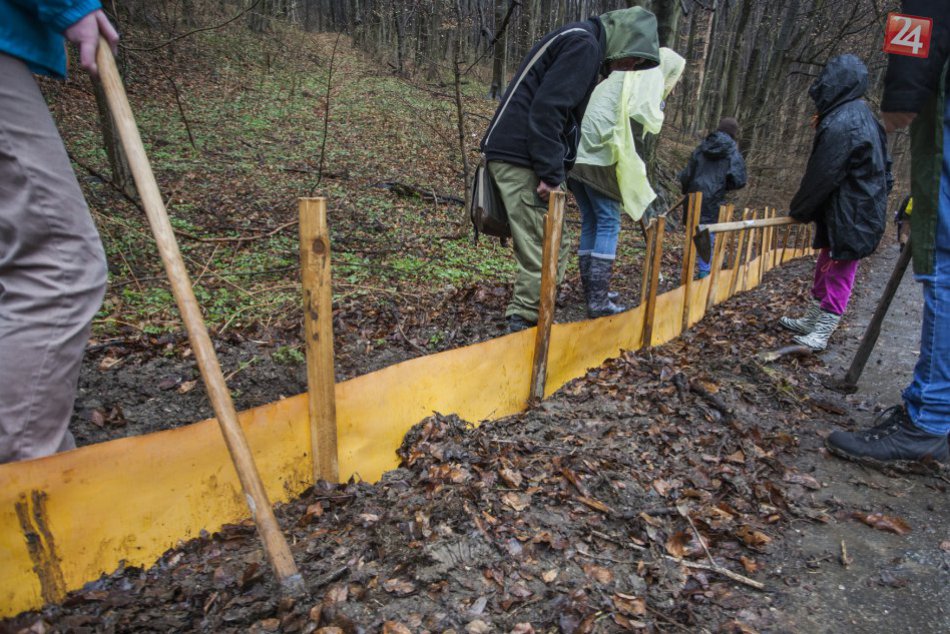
(693, 211)
(719, 253)
(763, 245)
(750, 247)
(646, 273)
(274, 543)
(318, 331)
(553, 227)
(656, 257)
(740, 249)
(689, 254)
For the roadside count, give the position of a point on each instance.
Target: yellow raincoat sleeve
(642, 95)
(606, 134)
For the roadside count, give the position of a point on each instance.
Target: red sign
(907, 35)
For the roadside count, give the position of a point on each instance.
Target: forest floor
(616, 505)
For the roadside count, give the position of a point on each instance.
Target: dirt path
(893, 583)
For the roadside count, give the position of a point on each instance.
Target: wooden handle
(874, 326)
(274, 543)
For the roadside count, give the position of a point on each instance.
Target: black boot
(517, 323)
(598, 301)
(892, 441)
(583, 264)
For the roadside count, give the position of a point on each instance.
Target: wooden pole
(740, 249)
(693, 211)
(749, 249)
(719, 252)
(689, 254)
(649, 311)
(318, 331)
(784, 232)
(646, 273)
(850, 381)
(553, 227)
(274, 543)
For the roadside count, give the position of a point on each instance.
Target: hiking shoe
(817, 339)
(892, 440)
(702, 274)
(805, 324)
(517, 323)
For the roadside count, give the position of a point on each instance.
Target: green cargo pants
(518, 188)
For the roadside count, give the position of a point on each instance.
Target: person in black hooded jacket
(714, 168)
(844, 192)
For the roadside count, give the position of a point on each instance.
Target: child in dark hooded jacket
(714, 168)
(844, 192)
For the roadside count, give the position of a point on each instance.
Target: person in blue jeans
(915, 94)
(52, 264)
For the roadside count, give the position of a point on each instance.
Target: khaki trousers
(518, 188)
(52, 273)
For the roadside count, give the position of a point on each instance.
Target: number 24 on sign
(907, 35)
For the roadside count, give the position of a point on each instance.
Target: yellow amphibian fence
(67, 519)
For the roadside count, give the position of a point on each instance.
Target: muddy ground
(129, 387)
(617, 505)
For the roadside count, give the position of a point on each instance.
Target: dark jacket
(539, 127)
(715, 167)
(845, 186)
(920, 86)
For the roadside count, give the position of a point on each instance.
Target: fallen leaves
(883, 522)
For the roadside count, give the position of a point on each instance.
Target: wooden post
(719, 253)
(784, 232)
(318, 332)
(740, 249)
(749, 250)
(689, 254)
(646, 273)
(553, 227)
(801, 240)
(274, 543)
(693, 211)
(763, 245)
(656, 257)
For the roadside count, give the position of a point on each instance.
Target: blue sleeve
(60, 14)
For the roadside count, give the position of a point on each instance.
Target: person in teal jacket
(52, 265)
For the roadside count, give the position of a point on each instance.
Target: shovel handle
(274, 543)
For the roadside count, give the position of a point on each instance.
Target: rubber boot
(805, 324)
(817, 339)
(583, 264)
(598, 302)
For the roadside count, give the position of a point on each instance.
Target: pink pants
(834, 280)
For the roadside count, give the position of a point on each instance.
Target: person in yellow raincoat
(610, 175)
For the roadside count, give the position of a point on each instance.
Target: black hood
(843, 79)
(717, 145)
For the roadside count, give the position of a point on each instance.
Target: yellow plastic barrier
(67, 519)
